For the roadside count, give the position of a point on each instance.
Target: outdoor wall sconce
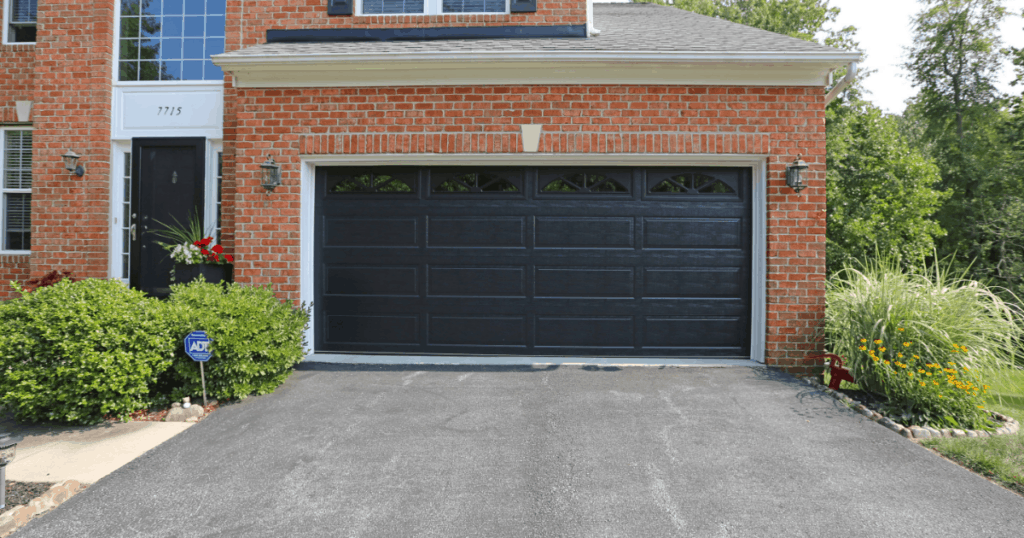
(8, 444)
(271, 174)
(71, 163)
(794, 177)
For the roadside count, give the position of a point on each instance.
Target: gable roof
(634, 34)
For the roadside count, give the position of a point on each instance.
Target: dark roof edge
(332, 35)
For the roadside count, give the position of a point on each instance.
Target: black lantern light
(8, 444)
(271, 174)
(794, 176)
(71, 163)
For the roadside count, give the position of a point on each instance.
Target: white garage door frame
(757, 163)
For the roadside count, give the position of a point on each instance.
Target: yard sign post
(197, 346)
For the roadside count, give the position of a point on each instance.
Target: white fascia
(507, 67)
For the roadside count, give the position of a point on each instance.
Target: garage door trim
(757, 163)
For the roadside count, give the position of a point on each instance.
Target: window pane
(192, 70)
(375, 7)
(18, 160)
(128, 71)
(193, 49)
(171, 49)
(195, 7)
(473, 6)
(170, 70)
(216, 7)
(174, 7)
(149, 70)
(16, 221)
(212, 72)
(194, 26)
(23, 10)
(173, 30)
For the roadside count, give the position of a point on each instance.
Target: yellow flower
(917, 357)
(900, 355)
(874, 359)
(911, 374)
(921, 371)
(986, 387)
(981, 407)
(878, 341)
(862, 348)
(887, 363)
(863, 340)
(906, 344)
(951, 364)
(881, 350)
(900, 329)
(923, 383)
(928, 374)
(936, 383)
(941, 396)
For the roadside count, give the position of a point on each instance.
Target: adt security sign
(197, 346)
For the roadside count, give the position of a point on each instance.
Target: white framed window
(20, 21)
(430, 7)
(170, 40)
(15, 189)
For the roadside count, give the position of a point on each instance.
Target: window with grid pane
(21, 24)
(170, 39)
(431, 7)
(16, 190)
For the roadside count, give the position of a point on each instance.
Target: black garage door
(534, 261)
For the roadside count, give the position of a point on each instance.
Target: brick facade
(71, 69)
(780, 122)
(258, 16)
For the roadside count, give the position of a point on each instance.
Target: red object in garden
(836, 370)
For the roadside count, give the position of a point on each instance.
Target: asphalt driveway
(532, 452)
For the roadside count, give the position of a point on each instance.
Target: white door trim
(757, 163)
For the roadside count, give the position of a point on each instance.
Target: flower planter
(216, 273)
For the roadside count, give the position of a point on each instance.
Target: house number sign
(149, 111)
(169, 111)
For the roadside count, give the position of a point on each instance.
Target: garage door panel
(476, 232)
(393, 329)
(370, 232)
(491, 331)
(588, 272)
(583, 232)
(695, 282)
(693, 233)
(677, 331)
(585, 331)
(371, 280)
(476, 281)
(584, 282)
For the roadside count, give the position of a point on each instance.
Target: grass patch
(1002, 457)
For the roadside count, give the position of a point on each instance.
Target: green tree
(881, 194)
(955, 56)
(796, 18)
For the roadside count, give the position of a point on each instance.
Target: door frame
(759, 173)
(201, 146)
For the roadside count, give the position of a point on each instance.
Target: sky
(884, 30)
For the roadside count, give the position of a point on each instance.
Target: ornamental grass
(925, 340)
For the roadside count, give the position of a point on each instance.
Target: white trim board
(531, 360)
(757, 163)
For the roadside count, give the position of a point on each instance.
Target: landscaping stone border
(14, 519)
(916, 433)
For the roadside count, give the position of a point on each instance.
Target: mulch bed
(19, 493)
(157, 415)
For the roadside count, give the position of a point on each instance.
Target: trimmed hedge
(75, 352)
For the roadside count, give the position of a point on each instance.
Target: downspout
(591, 31)
(851, 74)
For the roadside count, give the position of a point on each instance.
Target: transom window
(431, 7)
(15, 190)
(170, 39)
(21, 21)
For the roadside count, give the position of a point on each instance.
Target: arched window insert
(165, 40)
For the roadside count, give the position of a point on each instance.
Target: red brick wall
(16, 65)
(12, 268)
(71, 109)
(257, 16)
(780, 122)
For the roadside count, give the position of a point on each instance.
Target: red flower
(218, 249)
(229, 258)
(204, 252)
(206, 242)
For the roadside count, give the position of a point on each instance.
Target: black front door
(167, 184)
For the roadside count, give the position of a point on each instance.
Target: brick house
(485, 177)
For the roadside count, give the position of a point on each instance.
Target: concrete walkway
(394, 451)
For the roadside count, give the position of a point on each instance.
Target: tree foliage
(796, 18)
(881, 194)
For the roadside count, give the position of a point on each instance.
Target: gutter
(851, 74)
(233, 59)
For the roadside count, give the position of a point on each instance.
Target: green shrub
(941, 315)
(256, 339)
(76, 351)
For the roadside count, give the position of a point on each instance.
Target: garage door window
(461, 181)
(688, 184)
(374, 181)
(584, 182)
